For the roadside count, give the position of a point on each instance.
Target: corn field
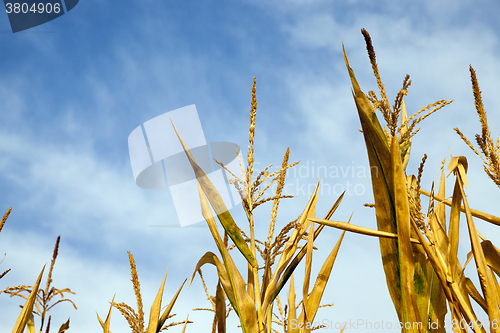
(418, 246)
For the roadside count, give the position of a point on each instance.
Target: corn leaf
(219, 207)
(185, 324)
(406, 262)
(437, 217)
(437, 300)
(496, 286)
(360, 230)
(64, 327)
(379, 158)
(154, 313)
(165, 314)
(241, 301)
(472, 291)
(455, 295)
(491, 255)
(476, 213)
(27, 310)
(220, 309)
(31, 323)
(316, 294)
(296, 260)
(292, 315)
(211, 258)
(440, 210)
(453, 235)
(485, 278)
(105, 325)
(307, 275)
(234, 287)
(289, 250)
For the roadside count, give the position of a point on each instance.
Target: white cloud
(76, 189)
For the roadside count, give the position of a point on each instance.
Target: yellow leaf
(292, 316)
(485, 278)
(492, 256)
(219, 207)
(379, 158)
(289, 250)
(165, 314)
(31, 323)
(64, 327)
(316, 294)
(28, 307)
(406, 262)
(105, 325)
(360, 230)
(220, 309)
(154, 313)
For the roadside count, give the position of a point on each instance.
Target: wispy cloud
(70, 103)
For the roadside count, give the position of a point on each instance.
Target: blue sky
(73, 89)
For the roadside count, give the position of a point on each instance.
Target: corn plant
(253, 299)
(419, 248)
(157, 322)
(419, 251)
(42, 298)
